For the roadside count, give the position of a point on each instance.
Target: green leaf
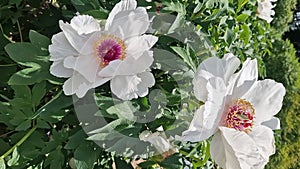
(123, 110)
(185, 55)
(29, 55)
(22, 91)
(166, 61)
(14, 159)
(109, 127)
(85, 155)
(229, 36)
(52, 110)
(2, 163)
(34, 56)
(242, 17)
(39, 40)
(75, 140)
(172, 162)
(245, 34)
(26, 53)
(38, 92)
(198, 7)
(85, 5)
(125, 146)
(42, 124)
(24, 125)
(4, 145)
(177, 24)
(55, 159)
(223, 21)
(174, 7)
(241, 3)
(77, 2)
(98, 14)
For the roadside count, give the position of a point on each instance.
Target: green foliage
(34, 57)
(283, 14)
(285, 68)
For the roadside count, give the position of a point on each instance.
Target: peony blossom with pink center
(238, 112)
(90, 55)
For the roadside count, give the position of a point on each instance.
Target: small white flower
(89, 55)
(238, 110)
(159, 141)
(264, 10)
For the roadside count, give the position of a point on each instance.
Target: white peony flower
(264, 10)
(238, 110)
(89, 55)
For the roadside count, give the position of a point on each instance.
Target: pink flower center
(240, 116)
(109, 48)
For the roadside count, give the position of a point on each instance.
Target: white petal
(223, 68)
(266, 97)
(60, 47)
(148, 81)
(130, 65)
(157, 139)
(78, 85)
(138, 44)
(232, 149)
(207, 117)
(264, 140)
(84, 24)
(130, 87)
(231, 63)
(77, 41)
(214, 106)
(131, 23)
(248, 72)
(213, 65)
(110, 69)
(87, 66)
(273, 124)
(199, 86)
(197, 131)
(124, 5)
(222, 153)
(244, 79)
(89, 47)
(57, 69)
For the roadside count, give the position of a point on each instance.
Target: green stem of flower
(19, 142)
(40, 110)
(8, 65)
(5, 134)
(20, 32)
